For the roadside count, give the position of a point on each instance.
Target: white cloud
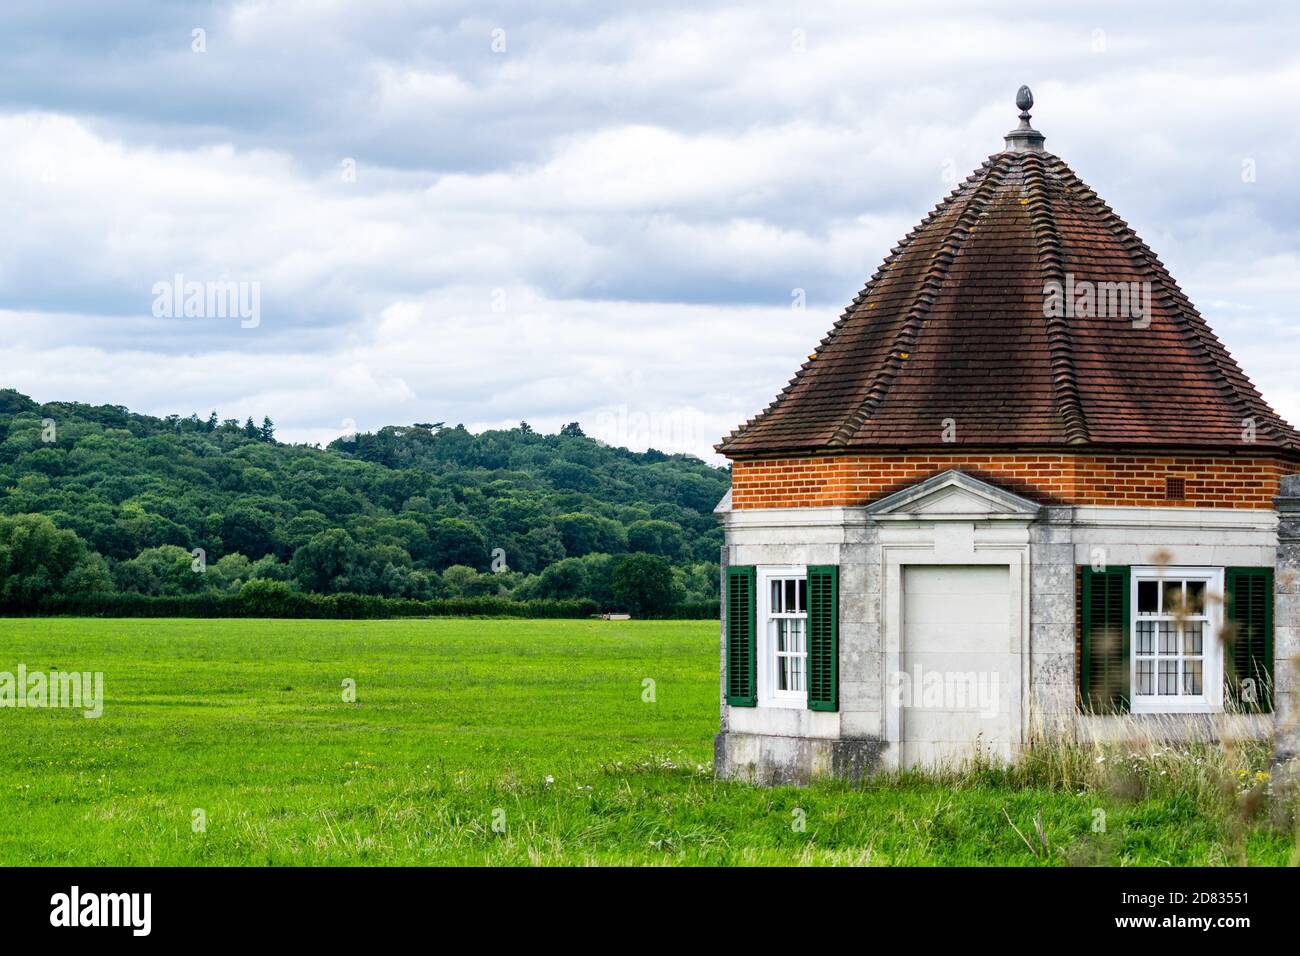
(632, 373)
(639, 191)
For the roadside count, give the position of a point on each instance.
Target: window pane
(1195, 597)
(787, 634)
(1173, 597)
(1148, 597)
(1146, 642)
(1168, 677)
(1193, 638)
(1145, 676)
(1168, 642)
(790, 653)
(1191, 677)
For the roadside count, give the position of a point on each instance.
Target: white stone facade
(946, 524)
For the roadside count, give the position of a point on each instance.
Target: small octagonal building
(1020, 487)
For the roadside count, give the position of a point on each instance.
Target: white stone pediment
(953, 495)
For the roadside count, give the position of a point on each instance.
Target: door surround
(953, 519)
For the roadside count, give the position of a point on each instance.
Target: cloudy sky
(484, 212)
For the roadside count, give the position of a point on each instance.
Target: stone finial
(1024, 102)
(1024, 138)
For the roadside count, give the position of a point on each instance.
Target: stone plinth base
(776, 761)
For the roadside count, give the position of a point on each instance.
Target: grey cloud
(622, 169)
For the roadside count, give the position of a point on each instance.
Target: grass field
(541, 727)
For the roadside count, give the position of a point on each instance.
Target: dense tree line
(100, 500)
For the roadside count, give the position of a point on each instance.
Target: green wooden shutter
(1248, 651)
(823, 637)
(1104, 661)
(742, 656)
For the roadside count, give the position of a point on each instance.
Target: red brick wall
(1136, 480)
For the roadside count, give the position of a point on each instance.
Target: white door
(960, 682)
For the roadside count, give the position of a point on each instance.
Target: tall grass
(1230, 783)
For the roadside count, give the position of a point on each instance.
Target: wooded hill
(99, 499)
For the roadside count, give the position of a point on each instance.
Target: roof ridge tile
(1233, 381)
(1064, 375)
(903, 245)
(905, 339)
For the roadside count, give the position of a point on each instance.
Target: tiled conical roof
(960, 337)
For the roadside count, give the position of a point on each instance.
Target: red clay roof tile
(949, 342)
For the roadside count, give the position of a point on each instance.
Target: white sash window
(1176, 640)
(783, 637)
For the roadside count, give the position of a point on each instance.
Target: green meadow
(486, 742)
